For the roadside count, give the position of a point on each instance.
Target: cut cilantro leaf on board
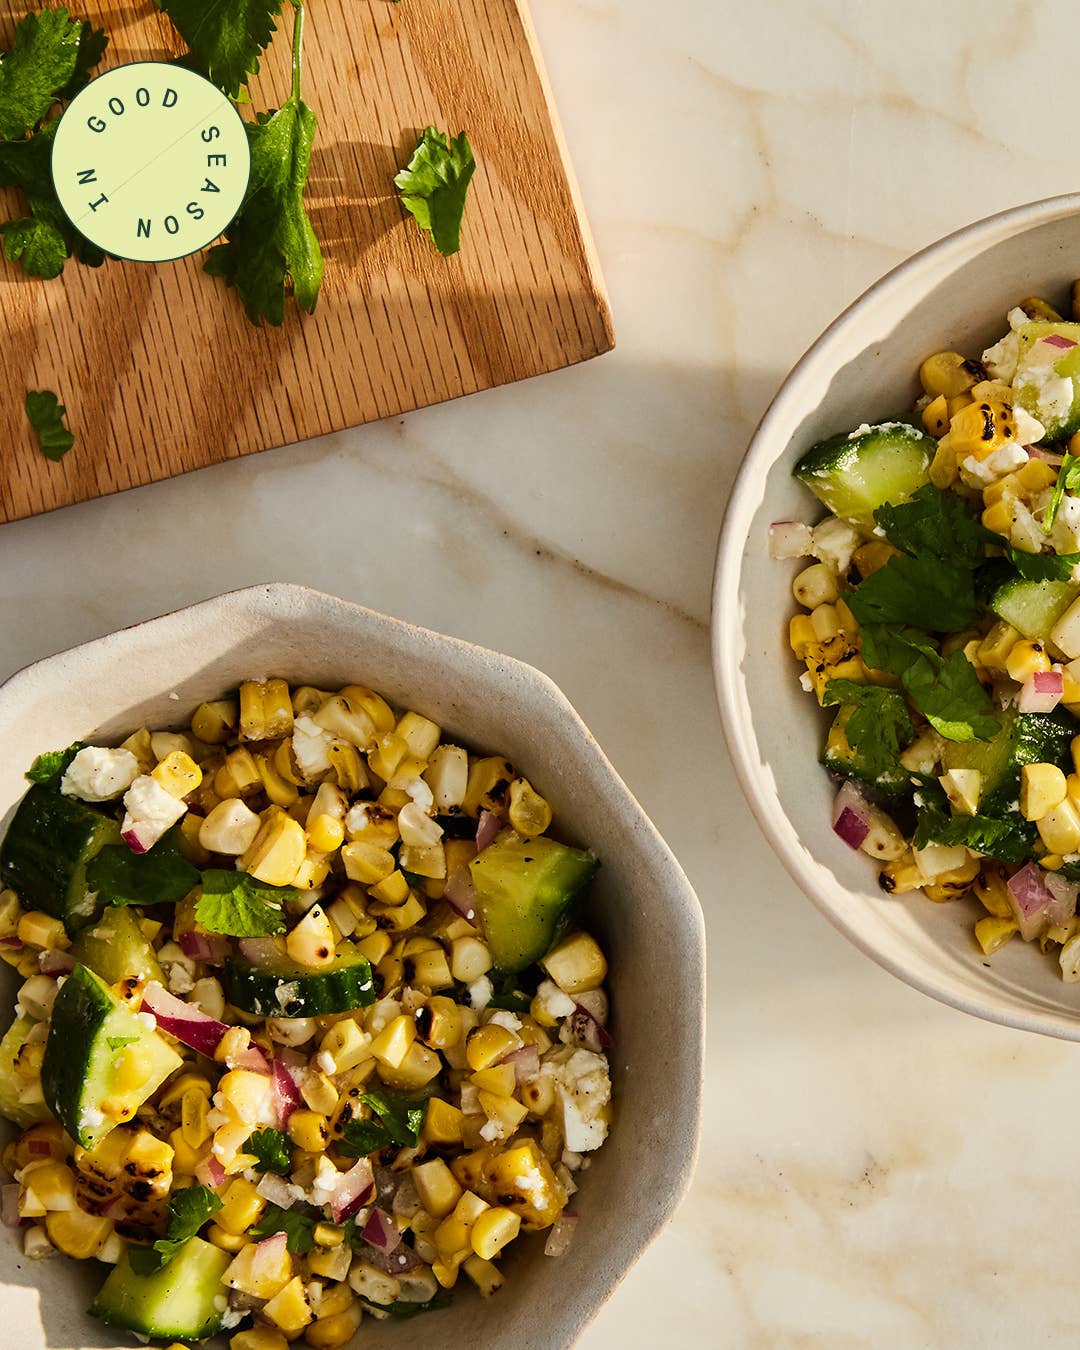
(271, 244)
(434, 186)
(46, 414)
(42, 62)
(92, 44)
(226, 37)
(239, 906)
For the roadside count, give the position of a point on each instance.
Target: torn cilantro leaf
(53, 764)
(189, 1209)
(161, 876)
(226, 37)
(239, 906)
(945, 690)
(396, 1120)
(918, 592)
(937, 524)
(272, 1149)
(271, 241)
(1010, 839)
(46, 415)
(37, 244)
(1044, 566)
(118, 1042)
(879, 727)
(298, 1228)
(42, 61)
(434, 186)
(92, 44)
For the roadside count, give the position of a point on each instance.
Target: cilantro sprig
(226, 37)
(434, 185)
(1010, 838)
(161, 876)
(879, 727)
(51, 766)
(395, 1120)
(237, 905)
(272, 1149)
(299, 1228)
(189, 1210)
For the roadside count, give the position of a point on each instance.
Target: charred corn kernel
(349, 770)
(319, 1092)
(325, 833)
(960, 401)
(1001, 490)
(503, 1112)
(131, 1069)
(417, 828)
(309, 1130)
(185, 1158)
(979, 429)
(77, 1234)
(139, 745)
(1059, 829)
(419, 1066)
(285, 766)
(438, 1022)
(529, 813)
(430, 970)
(447, 775)
(872, 557)
(523, 1172)
(278, 789)
(825, 622)
(53, 1184)
(948, 373)
(399, 918)
(243, 1090)
(312, 872)
(360, 697)
(188, 840)
(1035, 476)
(801, 635)
(238, 776)
(391, 890)
(242, 1205)
(452, 1235)
(387, 753)
(328, 1235)
(266, 710)
(577, 964)
(42, 930)
(428, 860)
(935, 416)
(488, 785)
(1051, 862)
(174, 1093)
(538, 1097)
(419, 734)
(392, 1043)
(492, 1231)
(368, 864)
(998, 517)
(469, 959)
(487, 1045)
(311, 942)
(228, 1242)
(178, 774)
(962, 787)
(370, 823)
(373, 1284)
(995, 647)
(485, 1275)
(1025, 658)
(346, 1044)
(241, 1163)
(36, 1244)
(1039, 310)
(338, 1329)
(193, 1118)
(165, 743)
(437, 1187)
(498, 1078)
(1042, 787)
(230, 828)
(255, 1272)
(816, 585)
(992, 933)
(374, 947)
(289, 1309)
(446, 1269)
(277, 850)
(215, 722)
(443, 1123)
(259, 1338)
(10, 913)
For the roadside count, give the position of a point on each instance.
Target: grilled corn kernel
(992, 933)
(438, 1022)
(485, 1275)
(443, 1123)
(193, 1118)
(228, 1242)
(242, 1205)
(386, 754)
(487, 1045)
(259, 1338)
(309, 1130)
(492, 1231)
(311, 942)
(452, 1235)
(447, 775)
(529, 813)
(392, 1043)
(1042, 787)
(347, 1045)
(420, 735)
(392, 890)
(238, 776)
(359, 696)
(230, 828)
(1025, 658)
(277, 851)
(816, 585)
(488, 785)
(499, 1079)
(399, 918)
(178, 774)
(42, 930)
(374, 947)
(948, 374)
(825, 622)
(76, 1233)
(998, 517)
(991, 885)
(173, 1095)
(469, 959)
(280, 790)
(266, 710)
(872, 557)
(325, 833)
(331, 1332)
(577, 964)
(373, 1284)
(289, 1309)
(215, 722)
(1059, 829)
(801, 635)
(185, 1158)
(935, 416)
(328, 1235)
(418, 1067)
(437, 1187)
(368, 864)
(995, 647)
(348, 767)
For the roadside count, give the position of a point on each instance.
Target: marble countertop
(876, 1170)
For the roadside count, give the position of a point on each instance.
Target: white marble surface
(876, 1170)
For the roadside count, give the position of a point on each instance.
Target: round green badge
(151, 162)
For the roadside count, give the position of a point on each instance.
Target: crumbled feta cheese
(491, 1130)
(480, 993)
(149, 810)
(790, 539)
(806, 682)
(98, 775)
(1025, 532)
(175, 696)
(311, 746)
(470, 1099)
(553, 1001)
(325, 1060)
(583, 1090)
(1029, 430)
(980, 473)
(1017, 318)
(421, 794)
(232, 1317)
(287, 993)
(1000, 359)
(504, 1018)
(381, 1015)
(356, 819)
(834, 541)
(860, 430)
(91, 1118)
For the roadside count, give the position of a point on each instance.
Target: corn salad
(365, 1046)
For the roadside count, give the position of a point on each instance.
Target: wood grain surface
(158, 365)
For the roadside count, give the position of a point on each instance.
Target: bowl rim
(764, 450)
(280, 600)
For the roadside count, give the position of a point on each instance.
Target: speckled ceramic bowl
(953, 295)
(643, 910)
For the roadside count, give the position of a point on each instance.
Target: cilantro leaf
(939, 524)
(42, 61)
(879, 727)
(92, 44)
(272, 1149)
(118, 1042)
(238, 905)
(188, 1211)
(919, 592)
(37, 244)
(46, 415)
(1068, 480)
(434, 186)
(53, 764)
(952, 700)
(1044, 566)
(298, 1228)
(398, 1120)
(161, 876)
(1010, 839)
(226, 37)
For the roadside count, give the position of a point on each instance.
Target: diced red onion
(287, 1096)
(561, 1235)
(132, 838)
(1029, 890)
(487, 830)
(250, 1058)
(262, 951)
(116, 1209)
(851, 816)
(1064, 892)
(269, 1255)
(210, 1172)
(1047, 456)
(380, 1231)
(1041, 692)
(526, 1062)
(56, 963)
(460, 894)
(212, 948)
(10, 942)
(1058, 340)
(605, 1040)
(189, 1025)
(39, 1148)
(790, 539)
(353, 1188)
(9, 1206)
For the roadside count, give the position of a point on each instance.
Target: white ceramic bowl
(643, 909)
(954, 295)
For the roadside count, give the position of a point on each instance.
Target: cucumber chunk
(23, 1114)
(101, 1061)
(839, 756)
(45, 852)
(524, 891)
(179, 1301)
(281, 988)
(1033, 607)
(1024, 738)
(116, 949)
(1047, 380)
(855, 473)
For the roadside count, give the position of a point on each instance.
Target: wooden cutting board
(158, 365)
